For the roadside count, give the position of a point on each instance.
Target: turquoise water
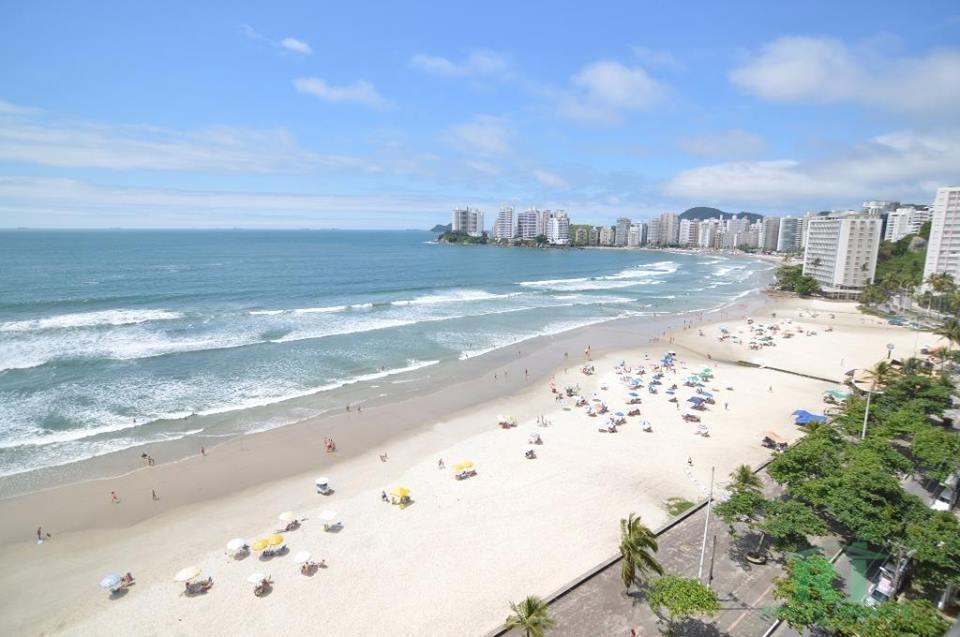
(107, 336)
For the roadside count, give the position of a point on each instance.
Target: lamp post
(889, 350)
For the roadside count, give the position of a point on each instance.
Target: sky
(389, 114)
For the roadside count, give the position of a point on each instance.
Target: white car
(944, 500)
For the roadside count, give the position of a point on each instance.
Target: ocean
(113, 339)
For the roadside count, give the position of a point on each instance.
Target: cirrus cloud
(360, 92)
(481, 62)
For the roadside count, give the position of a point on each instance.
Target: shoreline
(202, 430)
(520, 527)
(542, 356)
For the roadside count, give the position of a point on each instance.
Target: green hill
(705, 212)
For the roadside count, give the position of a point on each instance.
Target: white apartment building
(527, 225)
(841, 252)
(468, 221)
(771, 231)
(558, 228)
(880, 207)
(708, 233)
(734, 232)
(904, 221)
(689, 232)
(503, 228)
(607, 236)
(668, 231)
(635, 235)
(788, 238)
(943, 248)
(653, 232)
(622, 231)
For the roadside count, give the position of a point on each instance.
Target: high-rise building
(841, 251)
(771, 230)
(582, 236)
(708, 232)
(653, 232)
(503, 228)
(621, 231)
(904, 221)
(668, 229)
(788, 238)
(635, 235)
(607, 236)
(689, 232)
(558, 228)
(468, 221)
(527, 225)
(943, 248)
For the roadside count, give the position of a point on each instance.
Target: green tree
(540, 239)
(933, 537)
(637, 546)
(809, 595)
(790, 523)
(681, 598)
(936, 451)
(743, 477)
(950, 330)
(530, 616)
(913, 618)
(816, 456)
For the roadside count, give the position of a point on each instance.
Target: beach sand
(449, 563)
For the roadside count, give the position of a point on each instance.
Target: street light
(889, 349)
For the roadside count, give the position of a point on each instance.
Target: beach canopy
(804, 417)
(694, 399)
(275, 540)
(287, 516)
(260, 545)
(110, 582)
(187, 574)
(302, 557)
(255, 578)
(400, 492)
(328, 516)
(235, 544)
(774, 437)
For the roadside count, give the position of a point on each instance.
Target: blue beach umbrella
(633, 393)
(707, 394)
(619, 413)
(110, 582)
(694, 399)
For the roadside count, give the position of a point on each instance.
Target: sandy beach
(448, 563)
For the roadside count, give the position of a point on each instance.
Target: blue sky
(385, 115)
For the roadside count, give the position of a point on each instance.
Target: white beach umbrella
(235, 544)
(255, 578)
(287, 516)
(302, 557)
(110, 581)
(187, 574)
(322, 480)
(328, 515)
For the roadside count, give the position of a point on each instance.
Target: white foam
(90, 319)
(454, 296)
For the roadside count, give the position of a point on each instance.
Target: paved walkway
(601, 607)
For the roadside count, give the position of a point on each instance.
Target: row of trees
(837, 482)
(792, 279)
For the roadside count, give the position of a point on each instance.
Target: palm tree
(941, 282)
(637, 546)
(940, 353)
(950, 330)
(531, 616)
(743, 479)
(913, 366)
(880, 374)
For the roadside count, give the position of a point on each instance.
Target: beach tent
(804, 417)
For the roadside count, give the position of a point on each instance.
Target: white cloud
(827, 70)
(905, 165)
(290, 44)
(360, 92)
(657, 59)
(7, 108)
(481, 62)
(483, 135)
(603, 90)
(59, 202)
(295, 45)
(549, 179)
(217, 150)
(732, 144)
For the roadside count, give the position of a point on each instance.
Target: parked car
(944, 500)
(882, 589)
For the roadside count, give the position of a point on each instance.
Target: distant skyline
(387, 115)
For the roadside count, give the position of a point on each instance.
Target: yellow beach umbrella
(458, 467)
(259, 545)
(467, 464)
(400, 492)
(275, 539)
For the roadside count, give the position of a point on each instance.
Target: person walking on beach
(526, 374)
(153, 492)
(203, 451)
(114, 497)
(440, 464)
(383, 496)
(689, 461)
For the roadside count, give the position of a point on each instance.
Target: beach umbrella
(187, 574)
(275, 540)
(400, 492)
(287, 516)
(633, 393)
(619, 413)
(110, 582)
(328, 516)
(694, 399)
(302, 557)
(255, 578)
(707, 394)
(235, 544)
(467, 464)
(260, 545)
(458, 468)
